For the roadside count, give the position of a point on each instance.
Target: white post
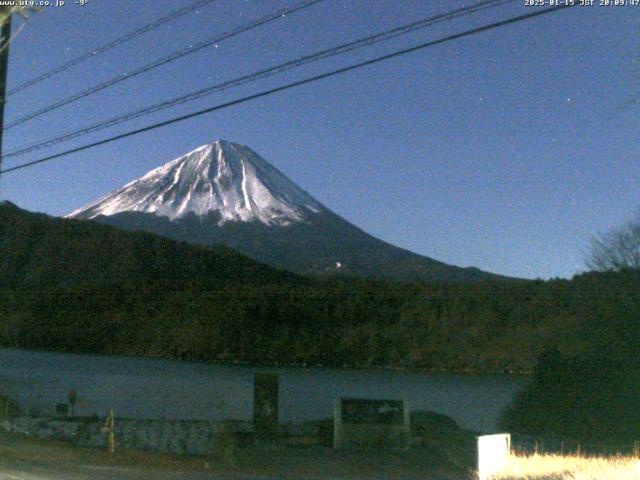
(493, 452)
(337, 424)
(109, 429)
(407, 423)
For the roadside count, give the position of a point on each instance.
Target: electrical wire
(261, 74)
(298, 83)
(163, 61)
(108, 46)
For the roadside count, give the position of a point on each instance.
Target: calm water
(150, 388)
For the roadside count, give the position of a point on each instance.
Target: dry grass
(558, 467)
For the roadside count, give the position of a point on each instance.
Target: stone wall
(192, 437)
(175, 436)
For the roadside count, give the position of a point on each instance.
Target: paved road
(29, 471)
(91, 472)
(39, 471)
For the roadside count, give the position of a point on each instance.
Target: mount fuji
(225, 193)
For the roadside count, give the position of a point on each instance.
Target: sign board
(368, 423)
(265, 402)
(493, 453)
(381, 412)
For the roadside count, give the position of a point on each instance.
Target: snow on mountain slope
(222, 177)
(225, 194)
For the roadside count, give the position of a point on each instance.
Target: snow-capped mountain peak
(221, 177)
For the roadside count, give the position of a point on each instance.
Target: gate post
(265, 403)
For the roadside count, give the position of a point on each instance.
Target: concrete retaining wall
(175, 436)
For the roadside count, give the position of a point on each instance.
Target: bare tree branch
(618, 249)
(6, 12)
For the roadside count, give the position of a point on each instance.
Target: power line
(108, 46)
(5, 40)
(298, 83)
(261, 74)
(164, 60)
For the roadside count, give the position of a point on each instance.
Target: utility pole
(4, 64)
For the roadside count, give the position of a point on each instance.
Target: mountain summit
(225, 193)
(221, 177)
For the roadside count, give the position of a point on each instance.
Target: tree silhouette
(618, 249)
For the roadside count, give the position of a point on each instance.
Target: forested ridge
(69, 285)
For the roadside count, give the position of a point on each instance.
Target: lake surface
(153, 388)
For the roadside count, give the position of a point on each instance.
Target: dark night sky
(506, 150)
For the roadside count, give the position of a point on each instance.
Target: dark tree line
(81, 287)
(591, 394)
